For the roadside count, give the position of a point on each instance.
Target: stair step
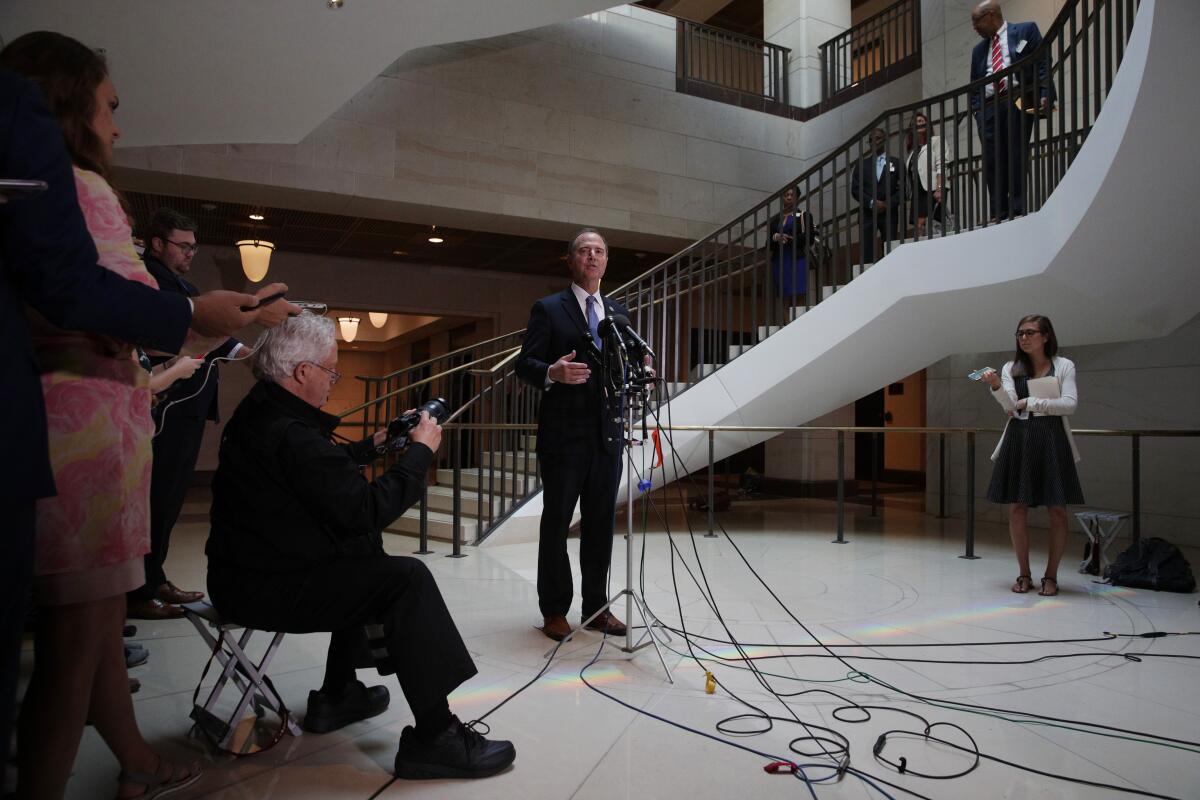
(441, 499)
(764, 331)
(701, 370)
(519, 462)
(500, 481)
(440, 526)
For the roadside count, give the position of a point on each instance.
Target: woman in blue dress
(790, 236)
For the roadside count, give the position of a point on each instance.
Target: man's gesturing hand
(565, 370)
(427, 432)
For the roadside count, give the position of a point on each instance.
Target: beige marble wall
(803, 26)
(572, 124)
(811, 456)
(1148, 384)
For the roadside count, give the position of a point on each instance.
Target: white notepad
(1045, 388)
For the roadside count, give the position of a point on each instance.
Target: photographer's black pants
(343, 594)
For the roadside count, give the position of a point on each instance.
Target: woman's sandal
(1043, 591)
(168, 778)
(1024, 584)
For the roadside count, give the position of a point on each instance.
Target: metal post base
(648, 637)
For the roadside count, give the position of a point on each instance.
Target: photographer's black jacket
(285, 496)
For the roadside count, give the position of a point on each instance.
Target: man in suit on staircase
(1007, 110)
(877, 185)
(180, 416)
(579, 437)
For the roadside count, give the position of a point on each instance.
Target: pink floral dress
(92, 535)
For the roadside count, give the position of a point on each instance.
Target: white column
(803, 25)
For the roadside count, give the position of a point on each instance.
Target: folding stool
(1101, 528)
(237, 667)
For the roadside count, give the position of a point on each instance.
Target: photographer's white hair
(295, 340)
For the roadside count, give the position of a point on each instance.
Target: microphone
(609, 332)
(622, 323)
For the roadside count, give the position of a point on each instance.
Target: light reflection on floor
(899, 580)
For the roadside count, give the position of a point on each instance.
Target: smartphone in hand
(266, 301)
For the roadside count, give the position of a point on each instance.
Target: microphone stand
(629, 393)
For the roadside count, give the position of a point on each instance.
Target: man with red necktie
(1003, 128)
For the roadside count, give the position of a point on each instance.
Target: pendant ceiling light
(349, 326)
(256, 258)
(378, 318)
(256, 253)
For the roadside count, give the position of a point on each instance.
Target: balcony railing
(730, 67)
(874, 51)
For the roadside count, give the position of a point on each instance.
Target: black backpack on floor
(1152, 563)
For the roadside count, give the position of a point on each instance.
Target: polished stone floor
(602, 724)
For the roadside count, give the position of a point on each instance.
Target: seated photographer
(296, 546)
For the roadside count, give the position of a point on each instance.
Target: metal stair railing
(725, 293)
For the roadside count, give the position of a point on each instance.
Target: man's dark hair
(582, 232)
(1023, 363)
(166, 220)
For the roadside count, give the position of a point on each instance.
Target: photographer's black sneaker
(328, 712)
(457, 752)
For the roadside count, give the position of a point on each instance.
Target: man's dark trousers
(343, 594)
(176, 449)
(886, 223)
(591, 477)
(1005, 134)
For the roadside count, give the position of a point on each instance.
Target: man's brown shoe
(607, 623)
(152, 609)
(170, 593)
(556, 627)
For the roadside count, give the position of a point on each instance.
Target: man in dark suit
(877, 185)
(49, 261)
(579, 437)
(180, 417)
(1005, 109)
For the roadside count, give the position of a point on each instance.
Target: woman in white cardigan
(1035, 460)
(926, 178)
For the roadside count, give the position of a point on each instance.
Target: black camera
(399, 428)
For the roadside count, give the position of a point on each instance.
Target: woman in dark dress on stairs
(1035, 460)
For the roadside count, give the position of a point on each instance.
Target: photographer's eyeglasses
(334, 375)
(186, 248)
(1025, 333)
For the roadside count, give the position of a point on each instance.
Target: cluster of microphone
(626, 354)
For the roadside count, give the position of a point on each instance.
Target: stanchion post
(841, 492)
(970, 531)
(1136, 485)
(712, 494)
(875, 473)
(424, 529)
(942, 475)
(457, 516)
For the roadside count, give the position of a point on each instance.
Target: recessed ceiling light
(399, 252)
(434, 238)
(640, 255)
(209, 206)
(257, 217)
